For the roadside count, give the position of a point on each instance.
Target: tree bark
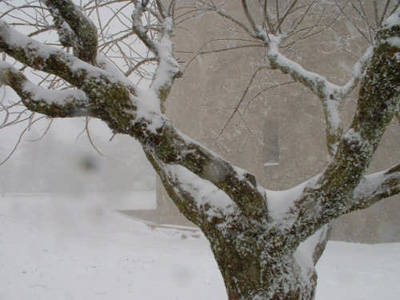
(262, 273)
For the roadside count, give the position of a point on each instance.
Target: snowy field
(66, 249)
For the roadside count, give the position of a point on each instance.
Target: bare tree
(261, 254)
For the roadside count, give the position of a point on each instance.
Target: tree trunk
(253, 270)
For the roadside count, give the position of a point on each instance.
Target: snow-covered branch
(60, 104)
(85, 33)
(315, 82)
(168, 68)
(65, 34)
(331, 95)
(376, 187)
(94, 81)
(272, 34)
(173, 148)
(42, 57)
(127, 110)
(312, 248)
(378, 102)
(183, 198)
(139, 29)
(358, 72)
(209, 200)
(37, 55)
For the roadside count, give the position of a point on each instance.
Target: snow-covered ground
(79, 248)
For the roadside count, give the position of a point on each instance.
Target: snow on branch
(393, 19)
(92, 80)
(358, 72)
(168, 68)
(309, 252)
(171, 147)
(331, 95)
(318, 84)
(184, 200)
(207, 197)
(272, 36)
(378, 102)
(104, 63)
(65, 34)
(375, 187)
(131, 111)
(139, 29)
(61, 104)
(39, 56)
(85, 33)
(315, 82)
